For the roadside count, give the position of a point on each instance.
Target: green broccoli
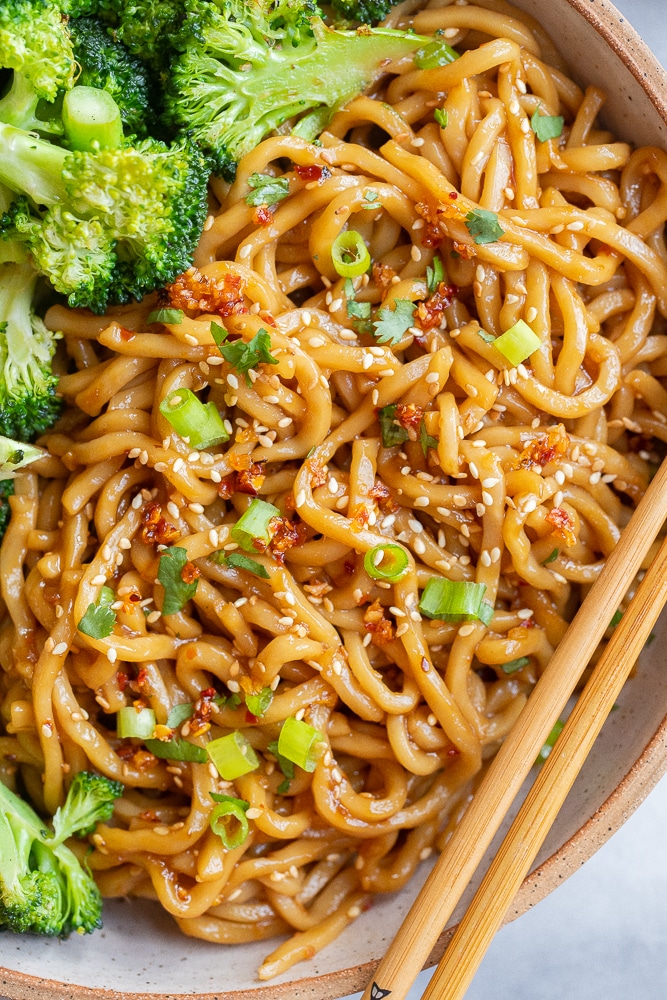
(107, 65)
(150, 29)
(43, 887)
(28, 404)
(34, 41)
(6, 490)
(260, 64)
(364, 11)
(105, 226)
(22, 106)
(89, 801)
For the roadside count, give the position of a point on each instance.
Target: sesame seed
(47, 730)
(450, 32)
(490, 482)
(487, 499)
(524, 614)
(233, 686)
(514, 107)
(353, 912)
(419, 546)
(558, 498)
(112, 655)
(467, 629)
(575, 227)
(386, 372)
(485, 558)
(415, 252)
(422, 501)
(60, 649)
(347, 335)
(402, 629)
(300, 498)
(366, 641)
(495, 554)
(245, 251)
(99, 580)
(316, 341)
(178, 465)
(432, 378)
(367, 361)
(525, 126)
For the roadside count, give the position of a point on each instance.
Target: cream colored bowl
(140, 953)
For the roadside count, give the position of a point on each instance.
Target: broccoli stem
(19, 107)
(92, 120)
(31, 166)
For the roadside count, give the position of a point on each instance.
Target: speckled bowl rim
(615, 29)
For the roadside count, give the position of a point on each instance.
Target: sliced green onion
(232, 755)
(174, 316)
(229, 821)
(92, 120)
(107, 596)
(299, 743)
(551, 740)
(258, 703)
(386, 562)
(615, 619)
(177, 749)
(455, 601)
(349, 254)
(255, 525)
(199, 422)
(517, 343)
(512, 666)
(553, 555)
(435, 54)
(135, 723)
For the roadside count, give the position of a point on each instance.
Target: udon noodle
(518, 477)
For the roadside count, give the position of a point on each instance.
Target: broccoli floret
(364, 11)
(107, 65)
(43, 887)
(106, 226)
(6, 490)
(261, 64)
(89, 801)
(22, 106)
(34, 41)
(150, 29)
(28, 404)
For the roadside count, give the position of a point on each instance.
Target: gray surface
(603, 934)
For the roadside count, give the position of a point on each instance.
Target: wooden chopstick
(456, 865)
(512, 863)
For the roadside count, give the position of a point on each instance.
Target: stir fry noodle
(295, 623)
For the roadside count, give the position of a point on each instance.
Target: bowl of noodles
(423, 464)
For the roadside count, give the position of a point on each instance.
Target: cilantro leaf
(243, 357)
(441, 117)
(166, 316)
(391, 324)
(488, 338)
(285, 765)
(483, 226)
(435, 275)
(98, 621)
(218, 333)
(425, 439)
(177, 592)
(546, 126)
(358, 311)
(258, 703)
(177, 749)
(266, 190)
(179, 713)
(391, 431)
(239, 561)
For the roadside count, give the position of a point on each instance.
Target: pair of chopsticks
(452, 872)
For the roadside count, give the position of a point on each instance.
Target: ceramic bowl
(140, 955)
